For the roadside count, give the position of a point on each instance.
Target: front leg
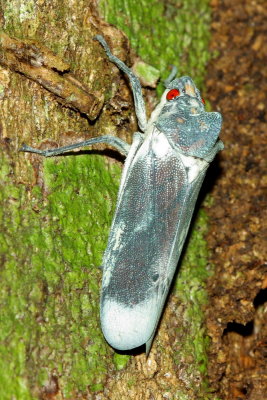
(139, 104)
(212, 153)
(116, 142)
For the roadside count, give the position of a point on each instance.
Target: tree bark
(57, 87)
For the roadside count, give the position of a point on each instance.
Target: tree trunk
(57, 87)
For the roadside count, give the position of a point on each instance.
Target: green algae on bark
(49, 310)
(57, 236)
(165, 33)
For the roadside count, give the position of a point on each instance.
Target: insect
(163, 172)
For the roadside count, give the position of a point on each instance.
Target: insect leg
(212, 153)
(116, 142)
(134, 81)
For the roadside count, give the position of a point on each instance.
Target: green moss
(165, 33)
(49, 303)
(148, 74)
(120, 360)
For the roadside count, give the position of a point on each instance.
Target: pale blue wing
(146, 239)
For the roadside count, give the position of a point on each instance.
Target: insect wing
(145, 242)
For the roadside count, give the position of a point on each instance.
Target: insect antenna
(172, 75)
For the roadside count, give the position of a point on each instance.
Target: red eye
(172, 94)
(203, 101)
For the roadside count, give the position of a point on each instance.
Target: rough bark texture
(57, 87)
(237, 311)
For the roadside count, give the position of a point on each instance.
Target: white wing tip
(126, 328)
